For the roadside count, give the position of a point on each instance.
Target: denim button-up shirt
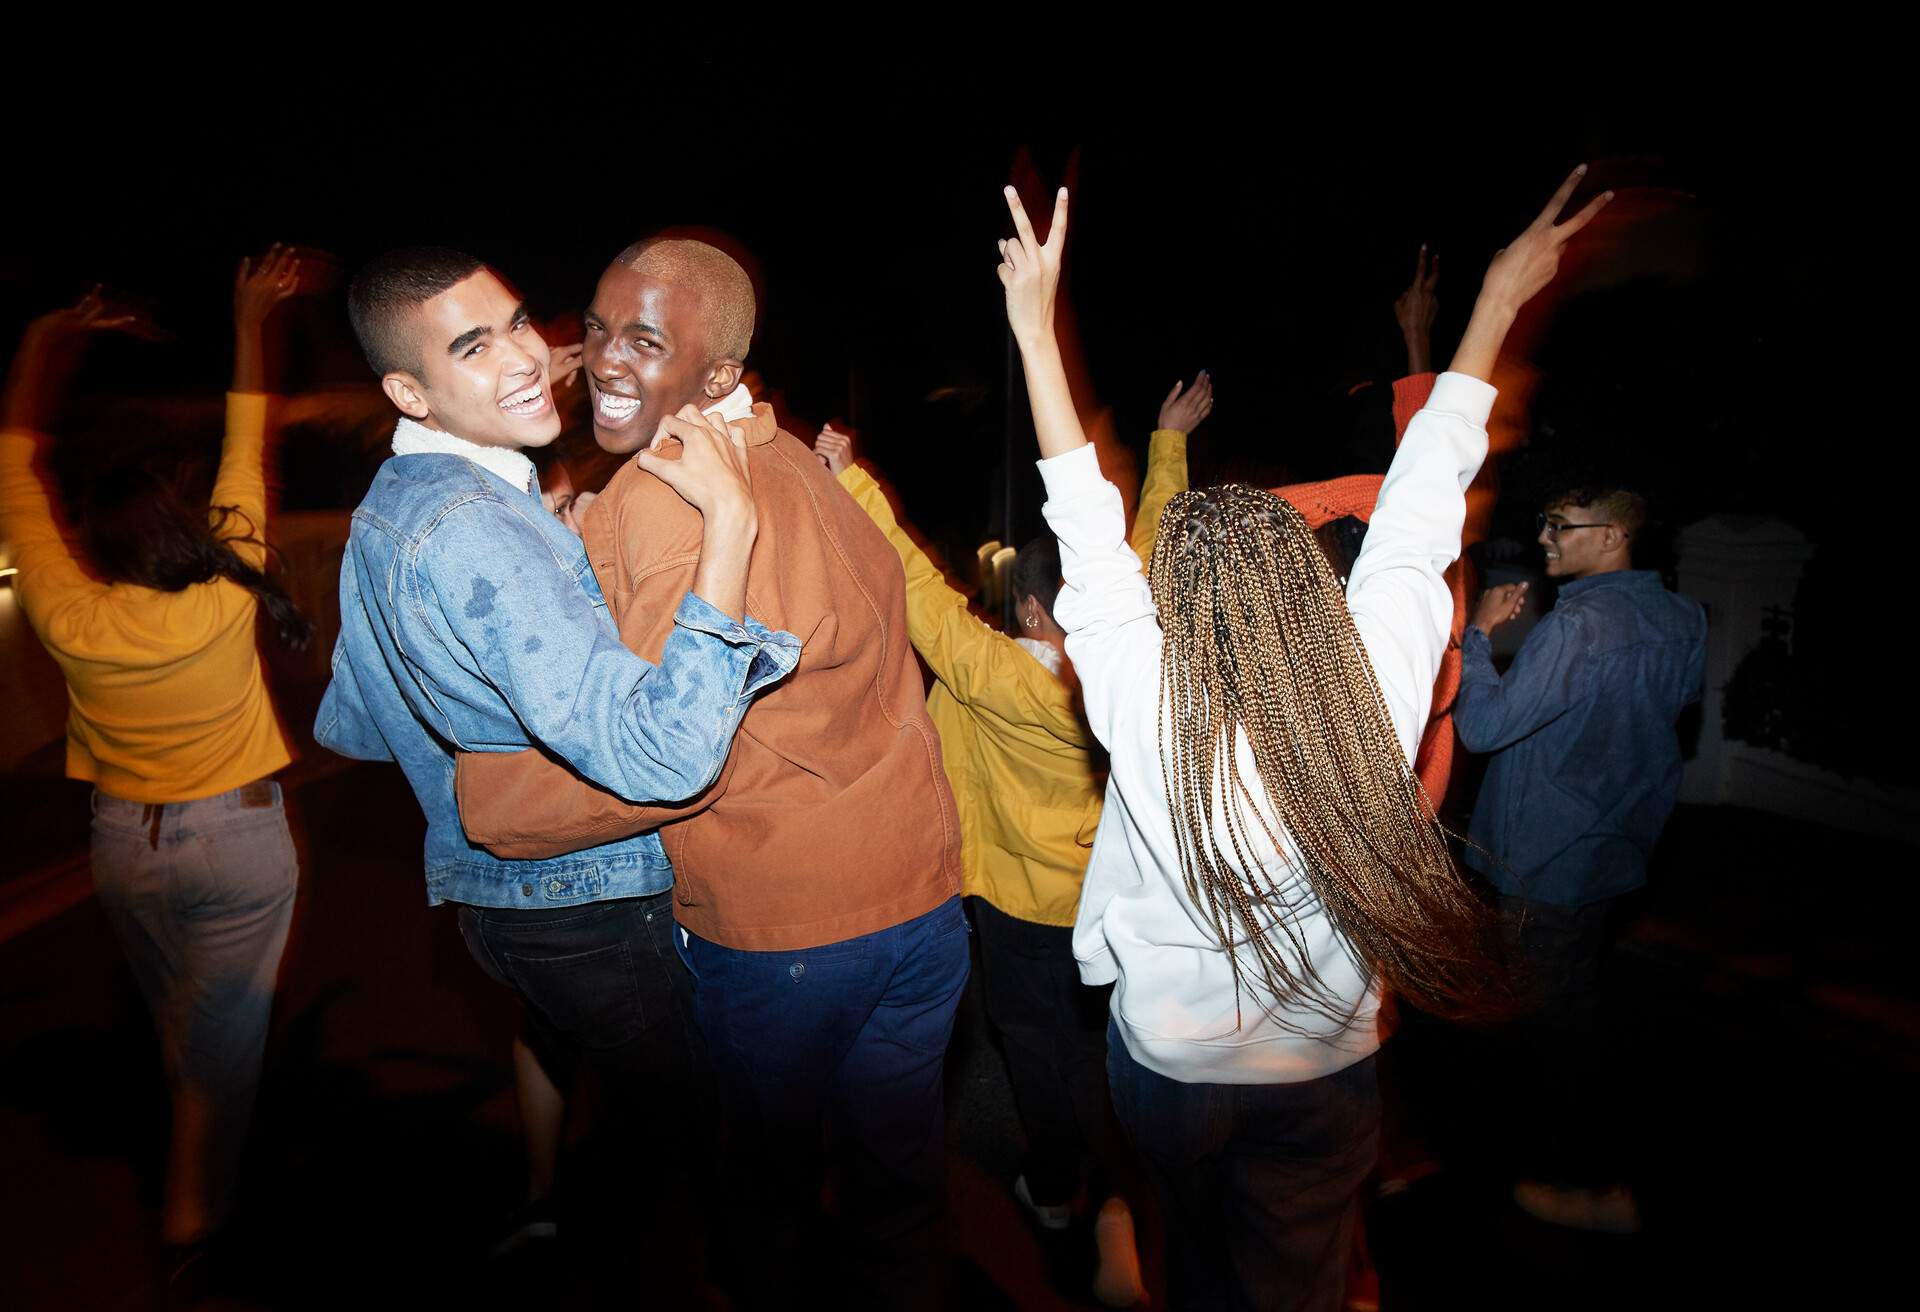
(471, 620)
(1587, 764)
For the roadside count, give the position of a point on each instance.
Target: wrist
(731, 520)
(1493, 308)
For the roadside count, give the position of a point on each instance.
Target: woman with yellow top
(153, 626)
(1019, 758)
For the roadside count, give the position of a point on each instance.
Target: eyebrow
(639, 326)
(480, 333)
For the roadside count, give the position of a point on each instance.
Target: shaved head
(726, 292)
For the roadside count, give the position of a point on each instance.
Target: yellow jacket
(166, 702)
(1016, 750)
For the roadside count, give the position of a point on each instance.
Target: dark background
(1240, 207)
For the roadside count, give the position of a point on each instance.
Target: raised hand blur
(835, 449)
(564, 364)
(1185, 407)
(259, 288)
(1415, 310)
(50, 352)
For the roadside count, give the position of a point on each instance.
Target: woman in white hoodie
(1266, 860)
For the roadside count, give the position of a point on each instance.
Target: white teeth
(523, 399)
(617, 407)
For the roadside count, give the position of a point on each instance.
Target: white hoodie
(1173, 999)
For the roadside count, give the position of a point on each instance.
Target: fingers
(1021, 226)
(1584, 217)
(1420, 267)
(1057, 230)
(1561, 197)
(1433, 271)
(1174, 395)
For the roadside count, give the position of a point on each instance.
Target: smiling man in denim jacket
(471, 621)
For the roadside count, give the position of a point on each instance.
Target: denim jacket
(1586, 764)
(470, 620)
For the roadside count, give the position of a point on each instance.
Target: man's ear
(406, 393)
(723, 375)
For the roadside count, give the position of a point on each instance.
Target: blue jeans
(849, 1039)
(1258, 1182)
(200, 895)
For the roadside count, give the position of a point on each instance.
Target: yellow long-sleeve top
(165, 699)
(1016, 751)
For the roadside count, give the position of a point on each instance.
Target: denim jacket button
(526, 890)
(555, 886)
(797, 969)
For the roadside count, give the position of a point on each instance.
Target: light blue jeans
(200, 895)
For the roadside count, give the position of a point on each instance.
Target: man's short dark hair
(389, 286)
(1621, 505)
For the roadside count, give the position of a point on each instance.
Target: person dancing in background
(1267, 860)
(170, 720)
(1019, 758)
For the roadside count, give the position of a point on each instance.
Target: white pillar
(1736, 566)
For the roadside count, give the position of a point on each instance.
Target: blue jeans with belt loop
(845, 1042)
(200, 895)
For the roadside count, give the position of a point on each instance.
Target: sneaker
(1603, 1211)
(1050, 1218)
(532, 1223)
(1117, 1282)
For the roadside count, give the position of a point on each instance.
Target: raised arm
(1397, 591)
(1181, 413)
(1113, 633)
(49, 577)
(259, 288)
(980, 666)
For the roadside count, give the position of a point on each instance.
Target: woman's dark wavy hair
(139, 529)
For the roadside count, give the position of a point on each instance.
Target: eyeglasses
(1552, 527)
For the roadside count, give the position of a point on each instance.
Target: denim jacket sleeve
(489, 590)
(1546, 679)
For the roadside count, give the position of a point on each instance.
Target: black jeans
(1258, 1183)
(603, 986)
(1555, 954)
(1054, 1030)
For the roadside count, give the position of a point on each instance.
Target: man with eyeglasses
(1585, 772)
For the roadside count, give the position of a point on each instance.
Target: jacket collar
(1638, 579)
(510, 466)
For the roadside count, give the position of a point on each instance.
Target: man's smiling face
(646, 355)
(483, 366)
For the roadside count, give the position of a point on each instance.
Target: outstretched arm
(1397, 591)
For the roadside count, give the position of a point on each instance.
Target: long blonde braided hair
(1258, 639)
